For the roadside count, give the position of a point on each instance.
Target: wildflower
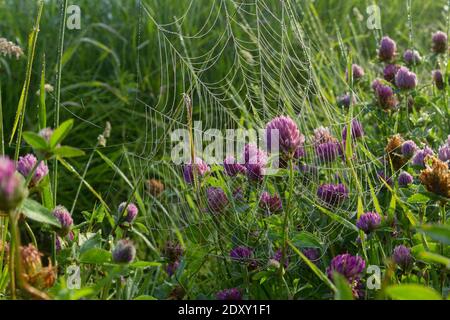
(393, 150)
(27, 163)
(278, 255)
(390, 71)
(241, 253)
(32, 270)
(46, 133)
(402, 256)
(312, 254)
(172, 267)
(172, 251)
(439, 40)
(436, 178)
(217, 199)
(412, 57)
(231, 166)
(64, 218)
(328, 151)
(8, 48)
(405, 79)
(438, 79)
(386, 97)
(444, 151)
(384, 178)
(61, 241)
(200, 167)
(299, 152)
(368, 222)
(356, 130)
(12, 186)
(357, 72)
(332, 194)
(419, 157)
(345, 100)
(229, 294)
(409, 147)
(405, 179)
(155, 187)
(124, 252)
(255, 162)
(131, 212)
(387, 49)
(375, 84)
(289, 136)
(270, 203)
(347, 265)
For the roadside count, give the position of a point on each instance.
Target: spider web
(246, 63)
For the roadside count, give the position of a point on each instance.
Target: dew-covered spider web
(241, 65)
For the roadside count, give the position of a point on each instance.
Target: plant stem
(286, 214)
(58, 88)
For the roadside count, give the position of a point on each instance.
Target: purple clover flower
(357, 72)
(12, 190)
(405, 179)
(409, 147)
(289, 136)
(356, 130)
(255, 162)
(229, 294)
(217, 199)
(270, 203)
(327, 151)
(241, 253)
(124, 252)
(387, 49)
(347, 265)
(26, 164)
(345, 100)
(172, 251)
(232, 168)
(332, 194)
(390, 71)
(375, 84)
(402, 256)
(200, 166)
(64, 218)
(444, 151)
(132, 211)
(172, 267)
(369, 222)
(439, 40)
(278, 255)
(438, 79)
(385, 96)
(312, 254)
(405, 79)
(412, 57)
(382, 176)
(419, 158)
